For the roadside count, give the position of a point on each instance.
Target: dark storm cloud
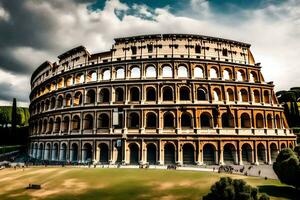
(9, 91)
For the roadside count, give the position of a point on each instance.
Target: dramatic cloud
(34, 31)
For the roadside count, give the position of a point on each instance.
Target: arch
(213, 73)
(282, 146)
(47, 105)
(169, 120)
(256, 96)
(230, 94)
(240, 74)
(151, 154)
(209, 154)
(52, 103)
(151, 121)
(151, 94)
(229, 154)
(201, 94)
(106, 74)
(169, 153)
(134, 154)
(184, 93)
(40, 126)
(66, 123)
(243, 95)
(247, 153)
(45, 126)
(69, 81)
(269, 121)
(227, 75)
(245, 121)
(55, 152)
(168, 94)
(104, 95)
(266, 97)
(227, 120)
(59, 102)
(188, 152)
(76, 123)
(88, 122)
(150, 72)
(274, 152)
(57, 124)
(186, 120)
(103, 157)
(92, 76)
(217, 94)
(60, 83)
(50, 125)
(91, 96)
(87, 153)
(103, 121)
(253, 77)
(182, 71)
(41, 151)
(278, 122)
(261, 153)
(68, 100)
(79, 78)
(198, 72)
(120, 74)
(74, 152)
(134, 120)
(206, 120)
(118, 149)
(78, 99)
(134, 94)
(135, 72)
(63, 152)
(167, 72)
(47, 152)
(119, 94)
(259, 121)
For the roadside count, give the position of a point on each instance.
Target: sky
(33, 31)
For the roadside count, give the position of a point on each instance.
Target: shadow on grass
(280, 191)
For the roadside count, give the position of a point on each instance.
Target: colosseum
(157, 99)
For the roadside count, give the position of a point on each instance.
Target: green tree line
(6, 116)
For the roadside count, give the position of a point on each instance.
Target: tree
(233, 189)
(14, 116)
(287, 167)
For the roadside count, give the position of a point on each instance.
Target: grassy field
(98, 183)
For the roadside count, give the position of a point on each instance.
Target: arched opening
(134, 94)
(274, 152)
(134, 154)
(169, 153)
(59, 102)
(256, 96)
(247, 154)
(57, 124)
(169, 120)
(87, 153)
(188, 154)
(151, 94)
(47, 152)
(269, 121)
(104, 95)
(91, 97)
(245, 121)
(103, 153)
(151, 154)
(50, 125)
(282, 146)
(186, 120)
(198, 72)
(66, 123)
(103, 121)
(229, 154)
(60, 83)
(45, 126)
(227, 74)
(240, 75)
(118, 149)
(41, 151)
(69, 81)
(106, 74)
(227, 120)
(79, 78)
(40, 126)
(182, 72)
(134, 120)
(119, 93)
(261, 153)
(76, 123)
(55, 152)
(63, 152)
(77, 99)
(92, 76)
(217, 94)
(52, 103)
(150, 72)
(253, 77)
(47, 105)
(88, 122)
(120, 73)
(151, 120)
(184, 94)
(230, 95)
(201, 94)
(266, 97)
(278, 122)
(68, 100)
(243, 95)
(259, 121)
(167, 94)
(74, 152)
(213, 73)
(209, 154)
(167, 72)
(206, 120)
(135, 72)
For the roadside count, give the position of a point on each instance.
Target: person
(259, 172)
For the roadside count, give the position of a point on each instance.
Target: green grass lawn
(85, 183)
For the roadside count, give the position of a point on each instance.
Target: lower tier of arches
(157, 151)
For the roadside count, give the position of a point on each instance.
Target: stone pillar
(255, 154)
(200, 154)
(161, 153)
(240, 159)
(179, 154)
(221, 160)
